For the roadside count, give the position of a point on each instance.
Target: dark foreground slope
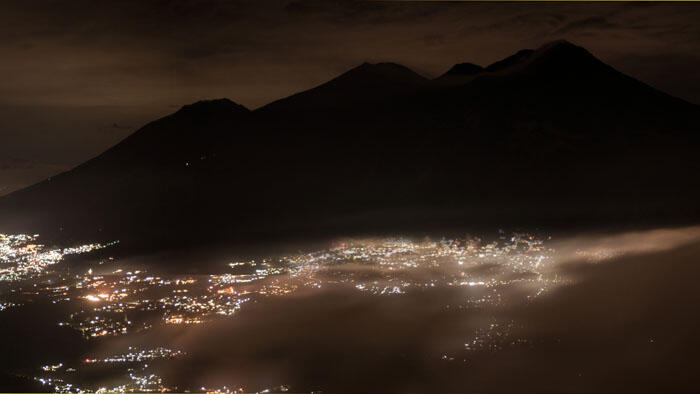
(550, 137)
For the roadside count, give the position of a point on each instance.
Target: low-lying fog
(517, 313)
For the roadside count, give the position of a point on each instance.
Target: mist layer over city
(349, 197)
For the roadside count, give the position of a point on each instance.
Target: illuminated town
(138, 380)
(108, 301)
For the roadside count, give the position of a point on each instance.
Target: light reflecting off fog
(605, 246)
(468, 283)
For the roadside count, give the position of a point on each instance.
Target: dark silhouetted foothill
(464, 69)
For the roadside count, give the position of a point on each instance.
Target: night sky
(79, 76)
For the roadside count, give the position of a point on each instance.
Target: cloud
(594, 22)
(625, 322)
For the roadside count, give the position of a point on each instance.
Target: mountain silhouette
(546, 137)
(464, 69)
(366, 87)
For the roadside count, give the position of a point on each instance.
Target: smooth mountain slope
(546, 137)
